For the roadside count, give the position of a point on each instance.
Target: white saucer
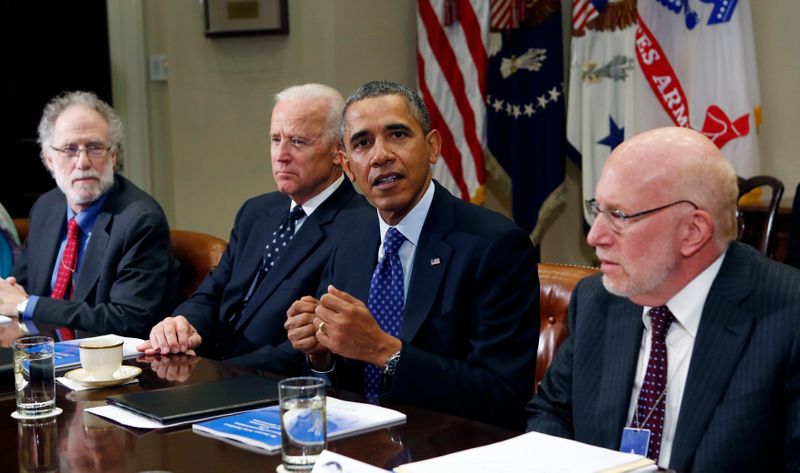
(124, 374)
(56, 411)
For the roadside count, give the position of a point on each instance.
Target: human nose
(600, 233)
(82, 160)
(280, 151)
(382, 154)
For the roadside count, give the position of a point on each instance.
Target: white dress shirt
(687, 307)
(411, 227)
(311, 204)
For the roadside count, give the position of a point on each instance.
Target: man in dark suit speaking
(435, 301)
(687, 347)
(98, 255)
(279, 244)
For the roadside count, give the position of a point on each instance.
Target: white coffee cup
(101, 358)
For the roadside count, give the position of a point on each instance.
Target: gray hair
(332, 98)
(381, 88)
(61, 102)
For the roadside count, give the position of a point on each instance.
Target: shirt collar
(411, 225)
(687, 304)
(87, 217)
(311, 204)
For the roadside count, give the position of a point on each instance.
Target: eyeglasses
(93, 150)
(617, 219)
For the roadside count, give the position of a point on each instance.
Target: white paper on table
(76, 386)
(129, 344)
(530, 453)
(126, 417)
(328, 462)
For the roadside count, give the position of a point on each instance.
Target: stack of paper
(261, 428)
(533, 453)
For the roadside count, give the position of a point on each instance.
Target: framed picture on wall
(246, 17)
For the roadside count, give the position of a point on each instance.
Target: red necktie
(653, 395)
(66, 270)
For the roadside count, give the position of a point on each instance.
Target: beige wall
(208, 122)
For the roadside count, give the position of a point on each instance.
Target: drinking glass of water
(303, 428)
(34, 377)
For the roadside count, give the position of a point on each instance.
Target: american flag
(506, 14)
(584, 11)
(451, 68)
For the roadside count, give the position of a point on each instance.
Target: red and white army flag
(698, 70)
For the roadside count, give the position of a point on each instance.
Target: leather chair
(22, 228)
(757, 234)
(556, 282)
(198, 253)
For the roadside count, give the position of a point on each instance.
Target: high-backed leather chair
(758, 234)
(22, 228)
(556, 282)
(199, 254)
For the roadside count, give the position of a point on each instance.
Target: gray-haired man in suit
(687, 347)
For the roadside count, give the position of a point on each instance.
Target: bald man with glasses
(98, 255)
(686, 348)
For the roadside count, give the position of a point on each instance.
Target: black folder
(199, 401)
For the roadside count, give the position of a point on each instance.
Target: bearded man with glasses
(98, 255)
(686, 349)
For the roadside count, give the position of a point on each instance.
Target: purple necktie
(653, 395)
(385, 302)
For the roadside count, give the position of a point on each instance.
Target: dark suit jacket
(741, 405)
(471, 321)
(128, 275)
(257, 337)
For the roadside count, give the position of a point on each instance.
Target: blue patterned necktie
(649, 412)
(280, 238)
(386, 302)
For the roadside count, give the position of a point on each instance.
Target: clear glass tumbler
(303, 427)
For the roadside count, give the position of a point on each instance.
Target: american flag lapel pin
(435, 261)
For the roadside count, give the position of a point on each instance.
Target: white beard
(86, 193)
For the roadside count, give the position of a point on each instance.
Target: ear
(434, 140)
(342, 156)
(48, 160)
(698, 232)
(114, 160)
(337, 155)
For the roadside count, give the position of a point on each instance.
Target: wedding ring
(319, 329)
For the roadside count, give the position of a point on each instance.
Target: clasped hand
(171, 335)
(337, 323)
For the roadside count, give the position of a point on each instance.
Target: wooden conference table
(78, 441)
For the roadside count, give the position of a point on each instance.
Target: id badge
(635, 441)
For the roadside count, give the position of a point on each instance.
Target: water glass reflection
(37, 445)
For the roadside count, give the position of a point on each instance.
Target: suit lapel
(359, 273)
(721, 337)
(92, 259)
(303, 243)
(621, 344)
(260, 235)
(46, 250)
(426, 277)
